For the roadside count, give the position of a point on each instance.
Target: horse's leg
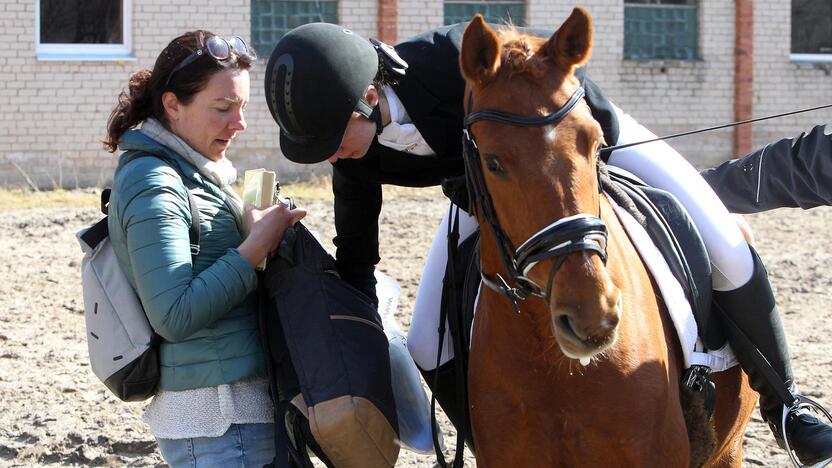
(730, 459)
(734, 404)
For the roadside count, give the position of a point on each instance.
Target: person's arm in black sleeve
(793, 172)
(357, 208)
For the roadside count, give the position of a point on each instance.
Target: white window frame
(807, 58)
(92, 52)
(810, 58)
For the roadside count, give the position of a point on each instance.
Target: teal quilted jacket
(205, 311)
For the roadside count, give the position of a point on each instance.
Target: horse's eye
(492, 163)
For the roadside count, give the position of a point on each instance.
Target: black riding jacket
(792, 172)
(432, 92)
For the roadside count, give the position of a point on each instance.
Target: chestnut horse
(574, 360)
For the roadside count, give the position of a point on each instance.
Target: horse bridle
(582, 232)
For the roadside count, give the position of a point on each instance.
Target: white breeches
(659, 165)
(423, 338)
(663, 167)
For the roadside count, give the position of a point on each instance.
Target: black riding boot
(443, 387)
(756, 335)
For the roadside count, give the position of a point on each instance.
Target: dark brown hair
(143, 97)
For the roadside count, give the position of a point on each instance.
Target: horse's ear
(480, 54)
(571, 45)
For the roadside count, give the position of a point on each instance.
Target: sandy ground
(54, 412)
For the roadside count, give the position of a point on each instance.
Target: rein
(581, 232)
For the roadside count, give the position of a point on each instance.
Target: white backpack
(123, 347)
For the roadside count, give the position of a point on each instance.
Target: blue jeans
(242, 445)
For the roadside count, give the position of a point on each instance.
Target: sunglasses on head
(216, 47)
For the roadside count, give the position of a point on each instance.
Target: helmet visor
(306, 150)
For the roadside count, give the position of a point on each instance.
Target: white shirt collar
(400, 134)
(398, 113)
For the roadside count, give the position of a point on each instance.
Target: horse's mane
(519, 52)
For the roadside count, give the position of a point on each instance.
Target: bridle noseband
(582, 232)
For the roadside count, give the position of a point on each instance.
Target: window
(495, 12)
(271, 19)
(83, 30)
(661, 29)
(812, 30)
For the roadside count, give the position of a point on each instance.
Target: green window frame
(495, 12)
(271, 19)
(661, 30)
(811, 30)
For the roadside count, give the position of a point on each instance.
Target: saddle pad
(677, 304)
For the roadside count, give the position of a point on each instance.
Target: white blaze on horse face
(549, 134)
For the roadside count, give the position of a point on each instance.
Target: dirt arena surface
(54, 411)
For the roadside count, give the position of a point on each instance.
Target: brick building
(674, 64)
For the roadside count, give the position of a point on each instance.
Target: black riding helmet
(316, 77)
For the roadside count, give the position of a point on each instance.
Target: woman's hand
(266, 229)
(747, 232)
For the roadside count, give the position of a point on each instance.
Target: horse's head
(533, 174)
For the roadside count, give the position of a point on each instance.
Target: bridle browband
(582, 232)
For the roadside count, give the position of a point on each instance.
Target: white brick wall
(418, 16)
(360, 16)
(54, 113)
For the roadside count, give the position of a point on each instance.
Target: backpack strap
(105, 200)
(96, 233)
(193, 233)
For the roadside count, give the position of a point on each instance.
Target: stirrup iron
(801, 400)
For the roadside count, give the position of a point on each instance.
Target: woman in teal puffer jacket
(212, 407)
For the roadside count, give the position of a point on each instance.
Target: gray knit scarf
(222, 172)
